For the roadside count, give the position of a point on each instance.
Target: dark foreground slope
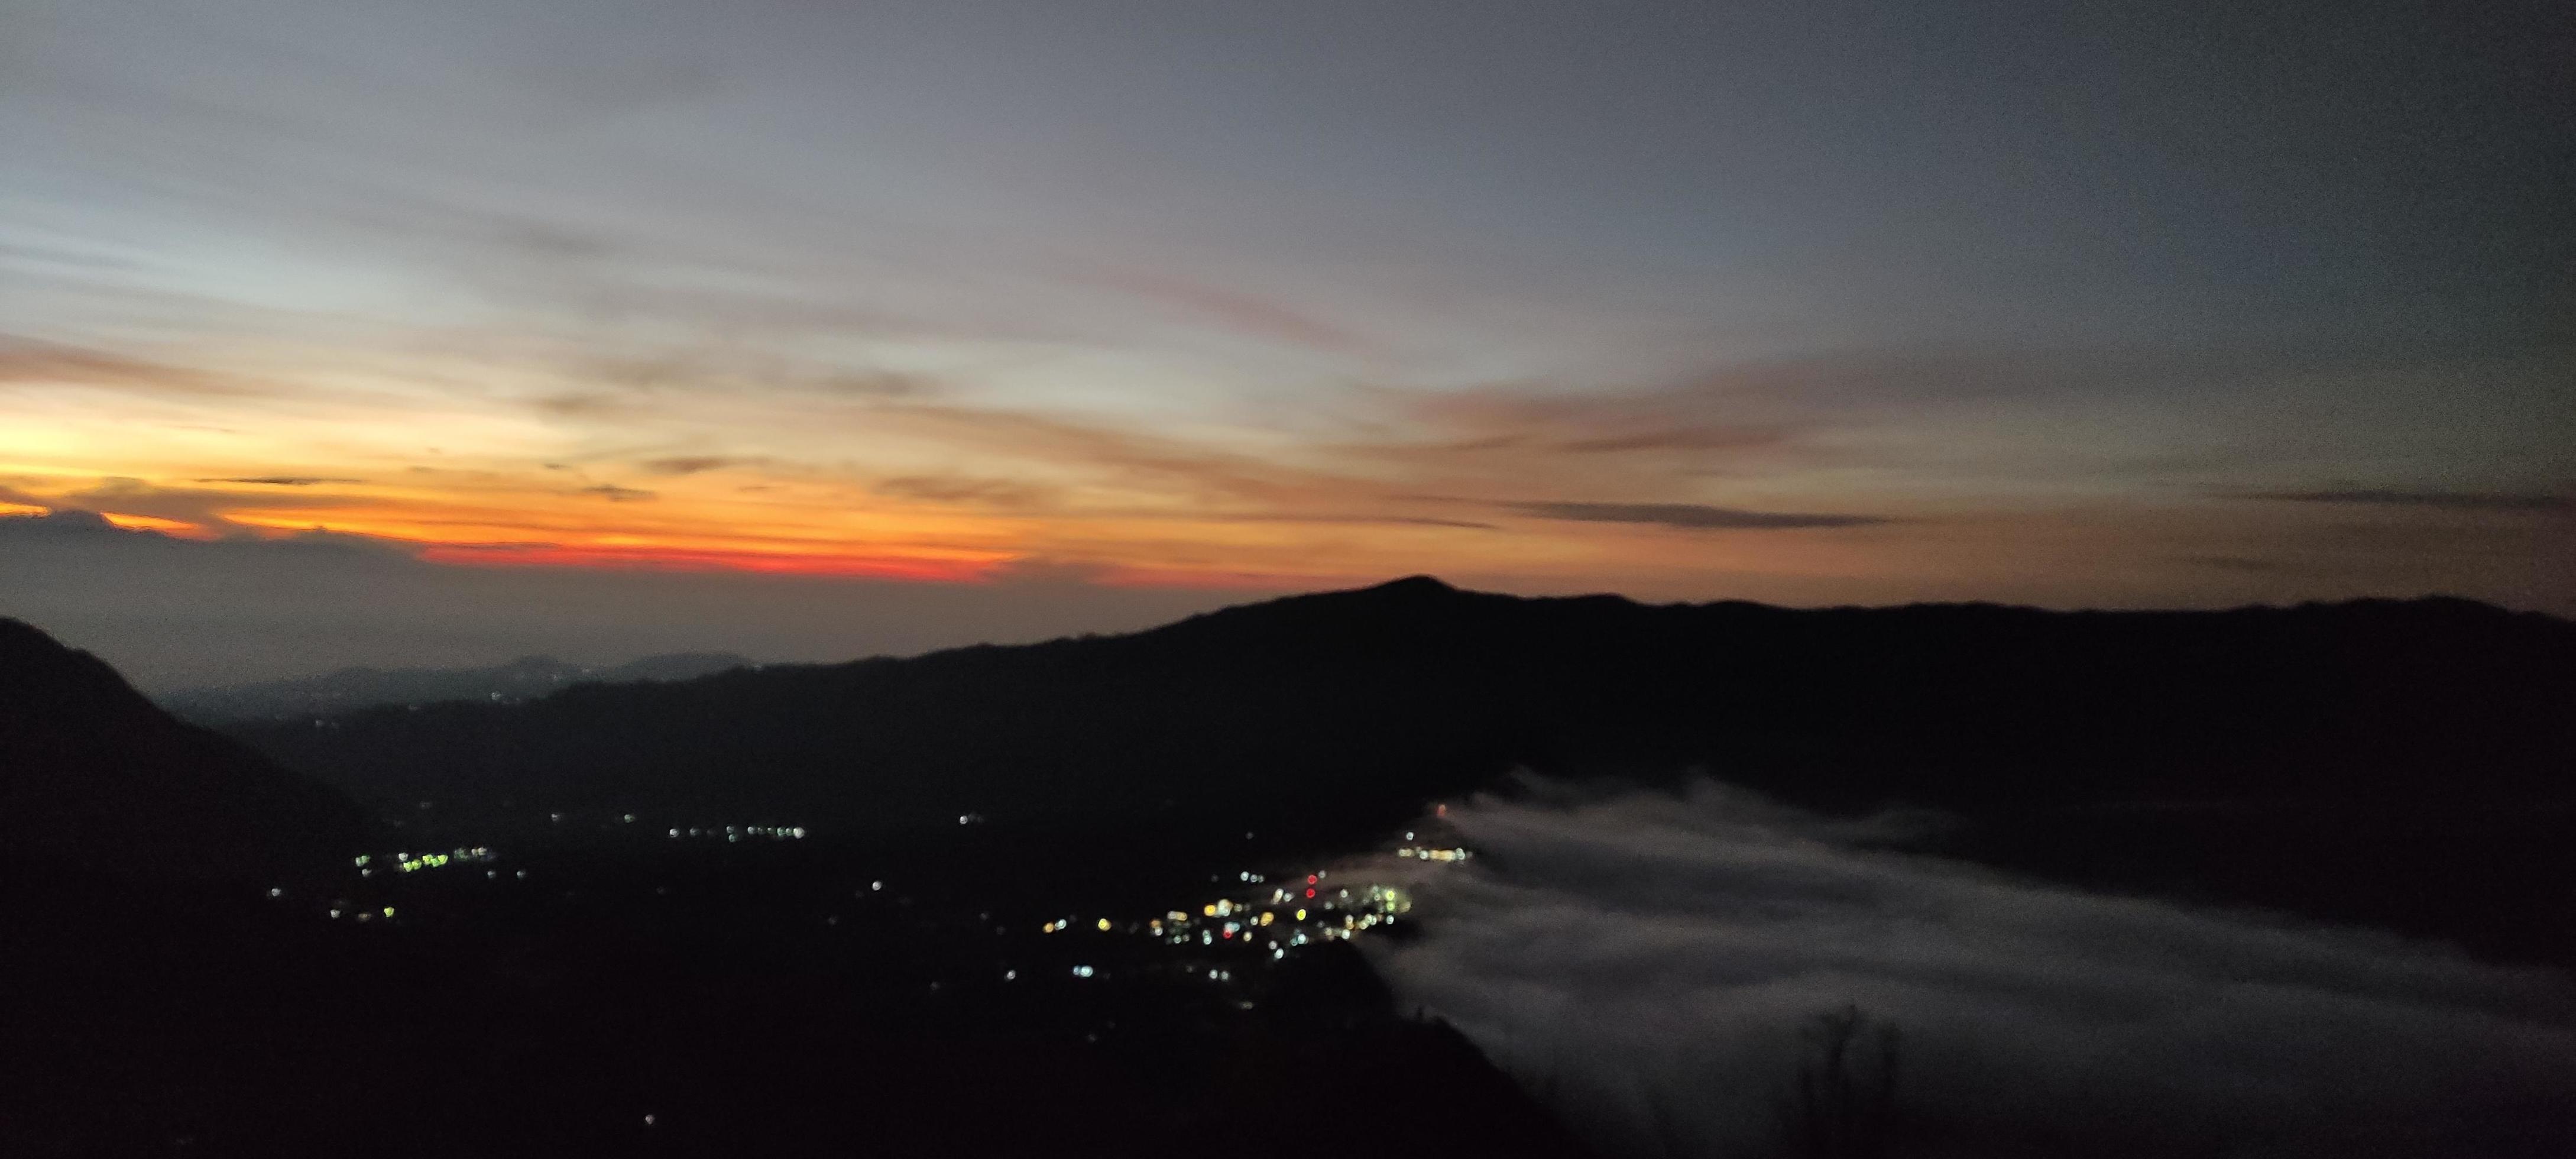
(93, 777)
(2262, 754)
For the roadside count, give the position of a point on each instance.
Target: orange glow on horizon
(657, 558)
(483, 528)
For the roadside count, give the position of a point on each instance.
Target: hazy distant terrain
(350, 689)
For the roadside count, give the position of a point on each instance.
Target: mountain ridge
(1554, 680)
(96, 777)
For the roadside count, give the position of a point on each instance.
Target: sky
(2078, 305)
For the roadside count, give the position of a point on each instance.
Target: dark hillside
(1414, 689)
(196, 965)
(2313, 742)
(94, 777)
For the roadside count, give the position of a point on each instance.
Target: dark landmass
(95, 778)
(807, 910)
(208, 955)
(751, 1001)
(2396, 763)
(351, 689)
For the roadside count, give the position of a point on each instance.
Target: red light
(1310, 893)
(1310, 879)
(1229, 933)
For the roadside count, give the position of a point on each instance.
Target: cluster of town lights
(738, 832)
(1314, 912)
(415, 862)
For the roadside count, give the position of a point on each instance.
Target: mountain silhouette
(95, 777)
(2396, 763)
(2277, 755)
(1414, 689)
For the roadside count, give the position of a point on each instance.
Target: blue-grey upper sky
(2074, 303)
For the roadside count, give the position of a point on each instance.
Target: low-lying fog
(1662, 969)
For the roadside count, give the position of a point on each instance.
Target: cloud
(589, 405)
(91, 528)
(1689, 516)
(616, 494)
(60, 521)
(1240, 311)
(2447, 500)
(2240, 563)
(1527, 418)
(207, 507)
(1121, 457)
(693, 464)
(1688, 438)
(1648, 962)
(964, 489)
(1329, 517)
(30, 360)
(880, 384)
(283, 480)
(739, 371)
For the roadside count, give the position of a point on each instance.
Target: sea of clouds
(1655, 965)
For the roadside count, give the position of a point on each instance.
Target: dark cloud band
(1690, 516)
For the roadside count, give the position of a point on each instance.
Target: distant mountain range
(1415, 688)
(93, 777)
(350, 689)
(2405, 763)
(2349, 759)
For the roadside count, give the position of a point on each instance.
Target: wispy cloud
(1686, 438)
(965, 489)
(33, 361)
(208, 508)
(2244, 564)
(2449, 500)
(693, 464)
(1186, 469)
(616, 494)
(1690, 516)
(1241, 311)
(282, 480)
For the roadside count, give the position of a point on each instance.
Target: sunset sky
(2071, 304)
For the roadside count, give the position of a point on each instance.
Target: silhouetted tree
(1844, 1101)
